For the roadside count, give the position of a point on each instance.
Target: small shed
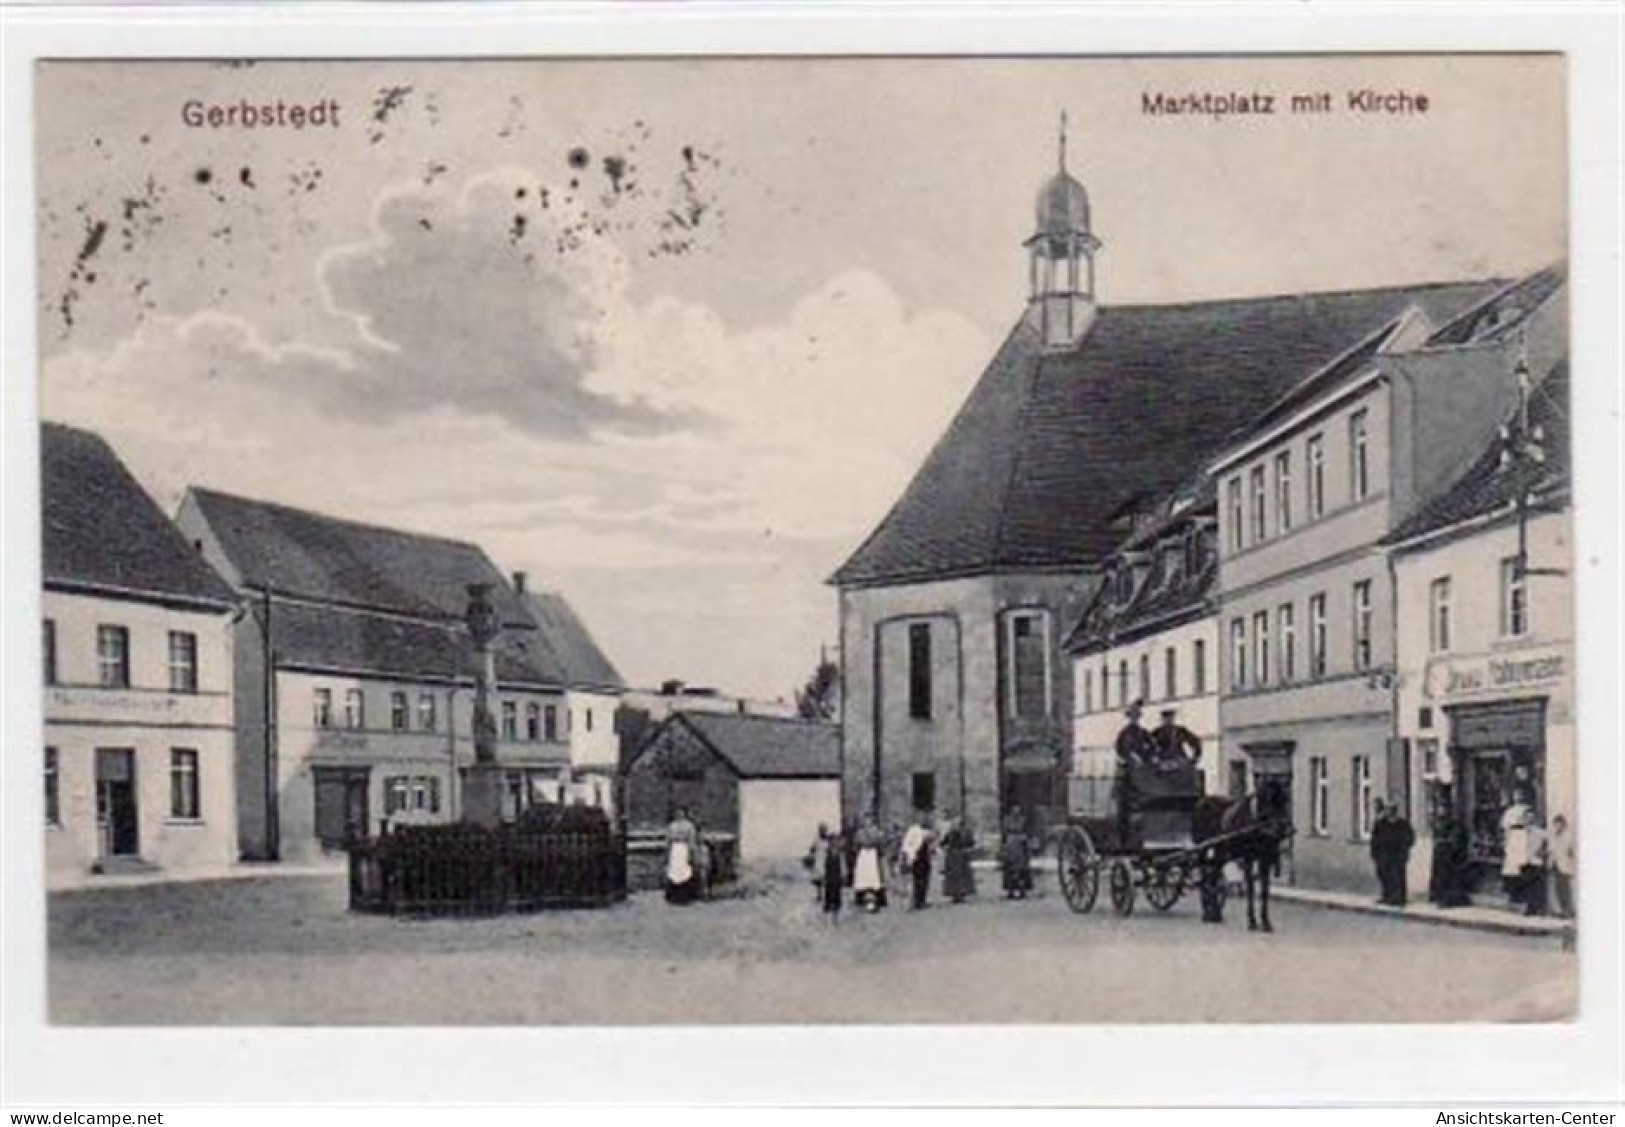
(767, 782)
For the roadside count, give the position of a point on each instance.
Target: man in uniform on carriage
(1136, 750)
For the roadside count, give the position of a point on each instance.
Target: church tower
(1062, 259)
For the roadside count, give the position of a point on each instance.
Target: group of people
(870, 860)
(1532, 859)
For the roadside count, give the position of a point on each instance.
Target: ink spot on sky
(579, 157)
(615, 167)
(245, 177)
(203, 175)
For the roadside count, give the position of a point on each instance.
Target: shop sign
(1449, 678)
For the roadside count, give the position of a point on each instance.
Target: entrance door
(1271, 765)
(118, 828)
(341, 804)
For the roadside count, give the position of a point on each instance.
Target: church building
(955, 610)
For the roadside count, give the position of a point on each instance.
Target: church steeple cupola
(1062, 258)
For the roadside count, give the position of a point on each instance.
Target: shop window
(919, 671)
(182, 662)
(185, 799)
(1429, 749)
(113, 656)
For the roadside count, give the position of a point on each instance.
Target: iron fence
(471, 870)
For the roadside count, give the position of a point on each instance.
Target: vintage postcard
(820, 540)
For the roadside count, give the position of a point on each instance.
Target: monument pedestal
(482, 795)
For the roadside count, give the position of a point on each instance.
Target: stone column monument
(482, 785)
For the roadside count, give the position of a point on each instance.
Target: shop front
(1498, 757)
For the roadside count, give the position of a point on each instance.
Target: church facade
(955, 611)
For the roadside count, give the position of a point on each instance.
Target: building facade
(1306, 496)
(760, 783)
(354, 677)
(592, 700)
(137, 653)
(1486, 674)
(1151, 636)
(957, 689)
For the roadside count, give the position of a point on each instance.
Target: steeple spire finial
(1062, 146)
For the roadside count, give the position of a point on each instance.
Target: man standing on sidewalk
(1391, 840)
(917, 859)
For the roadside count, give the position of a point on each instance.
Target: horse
(1250, 831)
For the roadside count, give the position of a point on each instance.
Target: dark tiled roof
(1049, 445)
(1486, 487)
(338, 638)
(585, 666)
(101, 529)
(767, 747)
(1503, 311)
(1160, 600)
(329, 560)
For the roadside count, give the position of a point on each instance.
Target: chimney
(519, 581)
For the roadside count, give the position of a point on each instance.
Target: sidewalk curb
(1538, 926)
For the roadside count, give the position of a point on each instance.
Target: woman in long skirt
(682, 861)
(1015, 860)
(869, 876)
(958, 880)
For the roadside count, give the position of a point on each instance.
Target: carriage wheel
(1078, 870)
(1122, 887)
(1164, 885)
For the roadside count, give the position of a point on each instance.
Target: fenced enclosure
(543, 861)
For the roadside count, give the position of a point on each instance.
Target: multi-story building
(593, 691)
(137, 649)
(1150, 636)
(1307, 492)
(1486, 648)
(354, 680)
(957, 691)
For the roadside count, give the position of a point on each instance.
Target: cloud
(533, 406)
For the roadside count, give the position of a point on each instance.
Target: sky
(672, 335)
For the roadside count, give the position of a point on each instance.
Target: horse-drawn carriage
(1161, 836)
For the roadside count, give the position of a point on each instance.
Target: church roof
(1050, 445)
(102, 531)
